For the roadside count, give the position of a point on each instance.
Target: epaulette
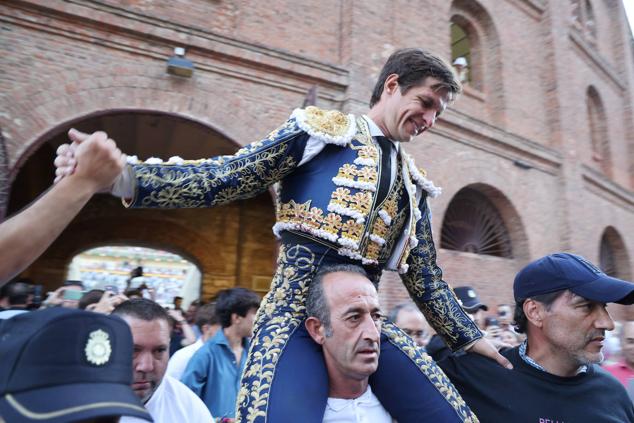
(419, 176)
(329, 126)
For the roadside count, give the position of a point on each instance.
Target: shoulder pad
(419, 176)
(329, 126)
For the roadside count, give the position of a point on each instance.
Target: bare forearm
(189, 337)
(25, 236)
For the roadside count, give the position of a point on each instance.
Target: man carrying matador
(348, 193)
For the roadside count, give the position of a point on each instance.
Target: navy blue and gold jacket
(331, 198)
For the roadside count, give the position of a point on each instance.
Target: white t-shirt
(174, 402)
(178, 362)
(365, 409)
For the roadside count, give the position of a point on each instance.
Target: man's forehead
(147, 327)
(576, 299)
(344, 288)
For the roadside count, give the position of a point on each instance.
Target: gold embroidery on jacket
(442, 310)
(330, 122)
(187, 186)
(282, 310)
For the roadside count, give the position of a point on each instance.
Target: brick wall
(255, 61)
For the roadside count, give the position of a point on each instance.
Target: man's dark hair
(72, 282)
(520, 319)
(91, 297)
(142, 309)
(235, 300)
(17, 291)
(316, 301)
(413, 66)
(206, 315)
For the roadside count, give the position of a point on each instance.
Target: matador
(347, 192)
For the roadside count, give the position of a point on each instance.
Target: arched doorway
(157, 274)
(233, 244)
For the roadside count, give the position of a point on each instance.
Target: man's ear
(315, 329)
(534, 312)
(391, 84)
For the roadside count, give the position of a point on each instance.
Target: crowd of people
(558, 327)
(318, 347)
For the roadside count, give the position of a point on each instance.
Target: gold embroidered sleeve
(432, 294)
(220, 180)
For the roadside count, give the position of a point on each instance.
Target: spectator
(91, 297)
(213, 373)
(68, 295)
(182, 334)
(411, 321)
(470, 302)
(101, 301)
(345, 319)
(166, 399)
(190, 317)
(505, 317)
(509, 337)
(18, 295)
(64, 365)
(178, 301)
(207, 323)
(492, 329)
(561, 306)
(624, 370)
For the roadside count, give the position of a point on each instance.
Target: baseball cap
(469, 299)
(559, 271)
(61, 365)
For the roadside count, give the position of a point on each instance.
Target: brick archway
(47, 109)
(232, 245)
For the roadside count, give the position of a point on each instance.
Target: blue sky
(629, 8)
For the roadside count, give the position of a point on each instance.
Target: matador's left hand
(484, 347)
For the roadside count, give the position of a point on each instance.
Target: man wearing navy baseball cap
(561, 305)
(62, 365)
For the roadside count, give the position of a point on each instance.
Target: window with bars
(473, 224)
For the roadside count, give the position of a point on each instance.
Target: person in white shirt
(207, 322)
(345, 319)
(165, 398)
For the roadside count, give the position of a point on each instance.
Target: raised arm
(219, 180)
(180, 183)
(25, 236)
